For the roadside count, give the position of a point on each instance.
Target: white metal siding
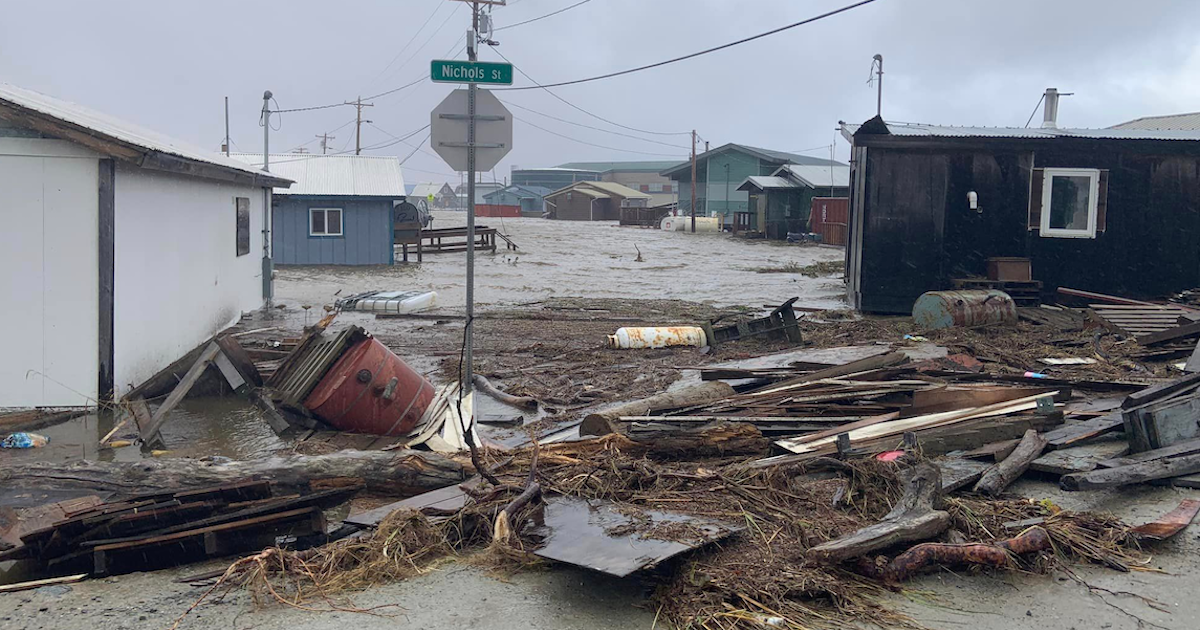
(178, 278)
(48, 248)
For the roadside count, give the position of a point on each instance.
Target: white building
(122, 250)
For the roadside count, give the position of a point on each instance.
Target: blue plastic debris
(24, 440)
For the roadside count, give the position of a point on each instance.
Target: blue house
(339, 211)
(528, 198)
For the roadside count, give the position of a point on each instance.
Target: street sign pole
(468, 375)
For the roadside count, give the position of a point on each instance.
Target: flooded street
(586, 259)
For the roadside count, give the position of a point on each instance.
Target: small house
(1113, 211)
(433, 194)
(339, 211)
(594, 201)
(514, 201)
(719, 173)
(780, 203)
(123, 250)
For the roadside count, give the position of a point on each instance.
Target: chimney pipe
(1050, 113)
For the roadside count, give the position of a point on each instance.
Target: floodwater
(555, 259)
(584, 259)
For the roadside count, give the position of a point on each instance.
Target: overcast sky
(167, 65)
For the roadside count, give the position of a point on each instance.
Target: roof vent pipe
(1050, 113)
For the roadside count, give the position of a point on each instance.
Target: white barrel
(658, 337)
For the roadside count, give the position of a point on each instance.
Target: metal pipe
(226, 126)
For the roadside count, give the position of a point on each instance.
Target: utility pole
(358, 105)
(226, 126)
(879, 94)
(268, 266)
(468, 376)
(325, 138)
(694, 180)
(266, 125)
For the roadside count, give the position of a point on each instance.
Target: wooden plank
(1071, 434)
(277, 517)
(994, 451)
(1189, 447)
(1078, 458)
(1193, 362)
(1135, 473)
(1178, 332)
(964, 396)
(958, 473)
(1150, 394)
(24, 586)
(181, 390)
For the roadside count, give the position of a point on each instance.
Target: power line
(695, 54)
(435, 33)
(592, 144)
(540, 17)
(408, 43)
(596, 116)
(615, 133)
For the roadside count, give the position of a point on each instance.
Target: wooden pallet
(1023, 293)
(1131, 320)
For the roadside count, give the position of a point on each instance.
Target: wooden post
(181, 390)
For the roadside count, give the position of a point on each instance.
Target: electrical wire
(571, 122)
(419, 147)
(408, 43)
(414, 151)
(695, 54)
(592, 144)
(540, 17)
(435, 33)
(596, 116)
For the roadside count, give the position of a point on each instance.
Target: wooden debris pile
(172, 527)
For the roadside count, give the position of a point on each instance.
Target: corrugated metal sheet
(1173, 122)
(818, 176)
(338, 175)
(766, 182)
(104, 125)
(423, 190)
(941, 131)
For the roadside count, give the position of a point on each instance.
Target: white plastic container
(684, 224)
(658, 337)
(397, 302)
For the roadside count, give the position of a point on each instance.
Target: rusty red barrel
(943, 309)
(370, 390)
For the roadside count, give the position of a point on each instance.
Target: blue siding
(366, 232)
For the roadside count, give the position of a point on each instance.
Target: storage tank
(943, 309)
(658, 337)
(370, 390)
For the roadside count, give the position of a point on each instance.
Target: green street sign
(444, 71)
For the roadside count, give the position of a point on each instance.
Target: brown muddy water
(585, 259)
(555, 259)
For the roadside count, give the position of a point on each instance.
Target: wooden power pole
(358, 121)
(693, 181)
(325, 138)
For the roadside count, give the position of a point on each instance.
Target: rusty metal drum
(944, 309)
(370, 390)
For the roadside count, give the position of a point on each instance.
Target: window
(324, 221)
(1070, 201)
(644, 188)
(241, 206)
(667, 188)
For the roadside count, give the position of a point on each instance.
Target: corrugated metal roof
(1173, 122)
(423, 190)
(766, 182)
(107, 127)
(521, 190)
(617, 189)
(767, 155)
(1038, 133)
(340, 175)
(834, 176)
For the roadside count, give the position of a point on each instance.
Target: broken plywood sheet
(1170, 524)
(1079, 458)
(958, 473)
(601, 536)
(448, 498)
(1074, 433)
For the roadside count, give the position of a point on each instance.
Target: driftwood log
(711, 440)
(1006, 471)
(524, 403)
(1134, 473)
(926, 555)
(392, 473)
(916, 516)
(605, 421)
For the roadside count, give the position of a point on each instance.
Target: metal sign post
(446, 139)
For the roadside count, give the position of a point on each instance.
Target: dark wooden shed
(1107, 210)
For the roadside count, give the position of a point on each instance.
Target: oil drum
(370, 390)
(943, 309)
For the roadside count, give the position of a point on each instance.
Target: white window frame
(1048, 176)
(341, 222)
